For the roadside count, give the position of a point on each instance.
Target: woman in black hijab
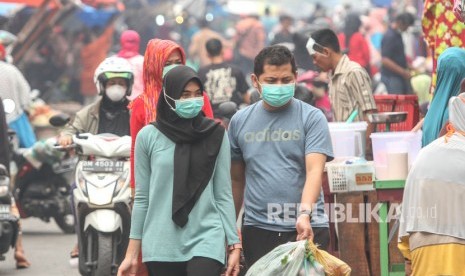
(183, 207)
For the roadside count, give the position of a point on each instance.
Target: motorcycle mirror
(8, 105)
(59, 120)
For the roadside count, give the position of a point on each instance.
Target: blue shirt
(273, 146)
(392, 47)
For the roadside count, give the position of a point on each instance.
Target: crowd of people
(191, 176)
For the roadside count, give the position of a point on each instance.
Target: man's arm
(314, 166)
(370, 130)
(392, 66)
(238, 184)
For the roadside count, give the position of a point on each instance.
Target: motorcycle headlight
(81, 181)
(122, 180)
(4, 185)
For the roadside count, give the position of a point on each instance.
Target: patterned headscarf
(156, 54)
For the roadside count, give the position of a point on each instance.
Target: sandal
(21, 261)
(74, 259)
(74, 254)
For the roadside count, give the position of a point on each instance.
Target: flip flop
(21, 262)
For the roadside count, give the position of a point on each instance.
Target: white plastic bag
(287, 260)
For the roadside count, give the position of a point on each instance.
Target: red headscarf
(2, 52)
(156, 54)
(130, 42)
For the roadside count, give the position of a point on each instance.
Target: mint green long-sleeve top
(211, 222)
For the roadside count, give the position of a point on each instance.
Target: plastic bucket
(358, 127)
(341, 140)
(394, 153)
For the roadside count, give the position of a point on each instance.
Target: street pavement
(47, 248)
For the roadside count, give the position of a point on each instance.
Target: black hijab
(198, 141)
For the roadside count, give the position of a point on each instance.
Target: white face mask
(116, 92)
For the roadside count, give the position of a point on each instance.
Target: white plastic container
(394, 153)
(344, 142)
(359, 142)
(344, 178)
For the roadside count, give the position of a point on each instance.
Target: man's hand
(65, 140)
(408, 267)
(303, 227)
(407, 74)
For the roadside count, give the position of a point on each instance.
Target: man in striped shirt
(350, 84)
(350, 93)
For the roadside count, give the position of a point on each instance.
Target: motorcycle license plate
(4, 209)
(103, 166)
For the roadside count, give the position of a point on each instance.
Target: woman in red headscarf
(159, 53)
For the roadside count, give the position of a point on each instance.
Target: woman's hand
(233, 262)
(130, 264)
(128, 267)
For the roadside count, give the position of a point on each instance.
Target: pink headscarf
(130, 41)
(2, 52)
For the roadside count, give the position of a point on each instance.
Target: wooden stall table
(388, 191)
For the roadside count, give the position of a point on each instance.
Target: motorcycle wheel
(66, 221)
(104, 254)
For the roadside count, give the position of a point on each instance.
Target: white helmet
(113, 67)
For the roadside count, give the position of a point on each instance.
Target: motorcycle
(43, 183)
(102, 201)
(9, 225)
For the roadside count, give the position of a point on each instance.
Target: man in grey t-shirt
(279, 148)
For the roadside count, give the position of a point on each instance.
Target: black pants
(197, 266)
(257, 242)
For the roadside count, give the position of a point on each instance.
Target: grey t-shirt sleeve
(233, 135)
(317, 137)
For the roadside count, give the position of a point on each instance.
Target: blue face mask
(277, 95)
(186, 108)
(166, 69)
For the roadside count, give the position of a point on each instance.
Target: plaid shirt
(349, 90)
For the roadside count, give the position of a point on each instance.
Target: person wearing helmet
(109, 114)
